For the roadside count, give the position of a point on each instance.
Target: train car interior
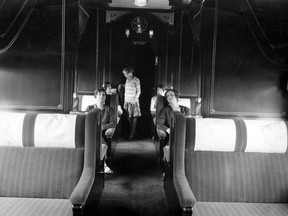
(143, 107)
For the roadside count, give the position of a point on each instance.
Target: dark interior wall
(161, 53)
(243, 64)
(134, 50)
(173, 49)
(187, 81)
(36, 54)
(184, 53)
(90, 52)
(243, 76)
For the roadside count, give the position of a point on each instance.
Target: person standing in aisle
(131, 99)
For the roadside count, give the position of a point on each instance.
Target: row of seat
(50, 164)
(232, 167)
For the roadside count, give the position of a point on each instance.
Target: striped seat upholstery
(49, 162)
(35, 207)
(240, 209)
(39, 172)
(231, 166)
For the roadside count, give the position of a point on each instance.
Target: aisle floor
(136, 187)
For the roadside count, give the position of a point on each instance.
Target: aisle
(135, 188)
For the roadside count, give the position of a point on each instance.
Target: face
(101, 96)
(171, 98)
(126, 74)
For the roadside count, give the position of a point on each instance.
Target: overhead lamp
(140, 3)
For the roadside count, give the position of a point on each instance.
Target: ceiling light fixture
(140, 3)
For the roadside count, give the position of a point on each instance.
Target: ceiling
(152, 4)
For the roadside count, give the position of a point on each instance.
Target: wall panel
(35, 71)
(240, 78)
(90, 52)
(187, 76)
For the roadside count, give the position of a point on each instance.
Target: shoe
(107, 169)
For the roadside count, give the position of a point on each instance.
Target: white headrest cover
(215, 135)
(55, 130)
(11, 126)
(266, 136)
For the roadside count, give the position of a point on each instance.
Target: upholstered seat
(50, 163)
(240, 209)
(228, 166)
(35, 207)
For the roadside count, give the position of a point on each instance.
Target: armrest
(185, 195)
(184, 192)
(84, 187)
(81, 192)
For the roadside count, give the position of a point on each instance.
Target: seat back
(228, 160)
(113, 101)
(39, 172)
(42, 130)
(42, 155)
(161, 102)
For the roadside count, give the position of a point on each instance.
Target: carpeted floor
(136, 187)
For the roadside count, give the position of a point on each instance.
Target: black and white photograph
(143, 107)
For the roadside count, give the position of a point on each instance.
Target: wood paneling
(239, 79)
(87, 55)
(187, 76)
(36, 72)
(120, 50)
(90, 62)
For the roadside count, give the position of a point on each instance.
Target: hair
(99, 90)
(106, 84)
(161, 86)
(129, 69)
(175, 92)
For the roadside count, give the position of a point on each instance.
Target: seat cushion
(265, 177)
(39, 172)
(239, 209)
(215, 176)
(35, 207)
